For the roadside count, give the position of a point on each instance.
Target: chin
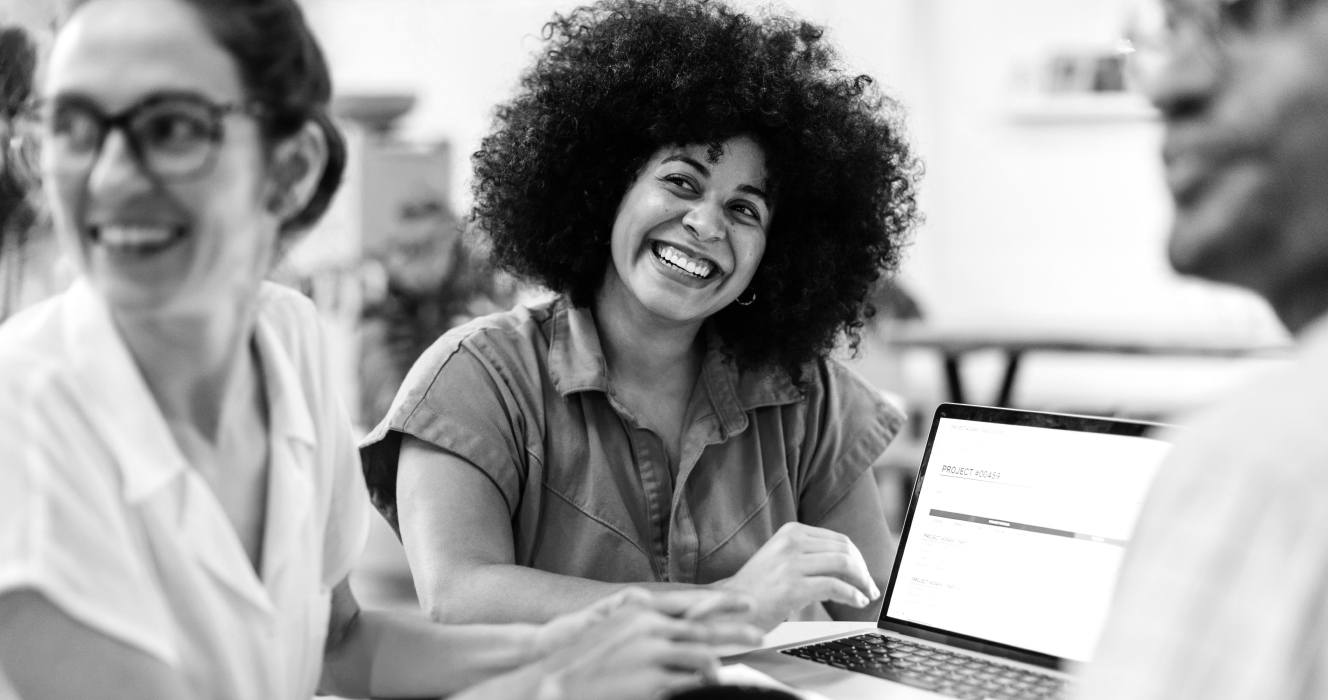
(670, 307)
(1226, 254)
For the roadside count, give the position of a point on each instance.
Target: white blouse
(101, 514)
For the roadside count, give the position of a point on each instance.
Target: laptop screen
(1017, 531)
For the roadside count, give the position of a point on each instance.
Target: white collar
(125, 412)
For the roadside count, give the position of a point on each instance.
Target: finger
(685, 656)
(823, 588)
(725, 604)
(846, 567)
(630, 596)
(831, 541)
(728, 633)
(677, 603)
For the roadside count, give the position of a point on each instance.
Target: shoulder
(33, 333)
(33, 358)
(829, 387)
(1271, 429)
(510, 343)
(292, 314)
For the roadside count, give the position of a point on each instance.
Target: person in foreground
(180, 496)
(1224, 593)
(712, 198)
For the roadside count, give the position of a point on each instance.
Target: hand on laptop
(799, 566)
(624, 647)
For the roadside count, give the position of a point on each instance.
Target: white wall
(1058, 225)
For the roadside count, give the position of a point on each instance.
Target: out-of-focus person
(1224, 592)
(712, 197)
(432, 281)
(180, 496)
(18, 176)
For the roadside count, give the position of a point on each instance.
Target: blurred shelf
(1089, 107)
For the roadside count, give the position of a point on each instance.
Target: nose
(1188, 76)
(116, 171)
(706, 221)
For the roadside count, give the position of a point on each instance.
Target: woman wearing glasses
(180, 501)
(712, 197)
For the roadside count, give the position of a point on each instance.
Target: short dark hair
(620, 79)
(283, 69)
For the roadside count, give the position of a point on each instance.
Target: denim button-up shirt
(524, 396)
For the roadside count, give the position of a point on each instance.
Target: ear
(296, 166)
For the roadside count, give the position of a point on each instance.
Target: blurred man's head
(1245, 98)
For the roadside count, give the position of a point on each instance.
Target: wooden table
(954, 344)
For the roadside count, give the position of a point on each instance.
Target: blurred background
(1039, 278)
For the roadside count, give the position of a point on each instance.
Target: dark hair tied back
(283, 69)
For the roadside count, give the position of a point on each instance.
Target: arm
(47, 654)
(458, 537)
(627, 646)
(387, 654)
(860, 517)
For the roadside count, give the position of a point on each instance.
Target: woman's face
(690, 231)
(177, 234)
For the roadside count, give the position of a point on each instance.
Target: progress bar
(1010, 525)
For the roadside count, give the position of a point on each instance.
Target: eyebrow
(755, 192)
(680, 158)
(749, 189)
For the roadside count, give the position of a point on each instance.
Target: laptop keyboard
(935, 669)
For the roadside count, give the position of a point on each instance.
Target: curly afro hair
(620, 79)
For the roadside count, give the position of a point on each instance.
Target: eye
(172, 128)
(747, 209)
(76, 128)
(681, 181)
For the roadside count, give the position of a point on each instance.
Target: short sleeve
(849, 425)
(455, 399)
(64, 529)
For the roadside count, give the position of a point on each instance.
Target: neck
(195, 364)
(641, 347)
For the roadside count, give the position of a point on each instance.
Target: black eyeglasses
(173, 136)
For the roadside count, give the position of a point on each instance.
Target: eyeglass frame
(1213, 21)
(41, 113)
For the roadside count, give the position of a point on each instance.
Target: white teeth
(135, 235)
(700, 268)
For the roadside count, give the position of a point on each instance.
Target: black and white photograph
(664, 349)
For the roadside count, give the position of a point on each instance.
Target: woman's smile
(685, 265)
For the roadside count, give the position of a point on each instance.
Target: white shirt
(1224, 591)
(101, 514)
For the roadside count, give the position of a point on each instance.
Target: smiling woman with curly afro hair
(712, 197)
(620, 80)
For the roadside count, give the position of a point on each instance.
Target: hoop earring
(750, 298)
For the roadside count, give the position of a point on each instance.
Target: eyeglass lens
(171, 138)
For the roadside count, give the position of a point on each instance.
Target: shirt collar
(289, 411)
(125, 412)
(118, 400)
(576, 363)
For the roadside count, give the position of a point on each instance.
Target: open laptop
(1014, 536)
